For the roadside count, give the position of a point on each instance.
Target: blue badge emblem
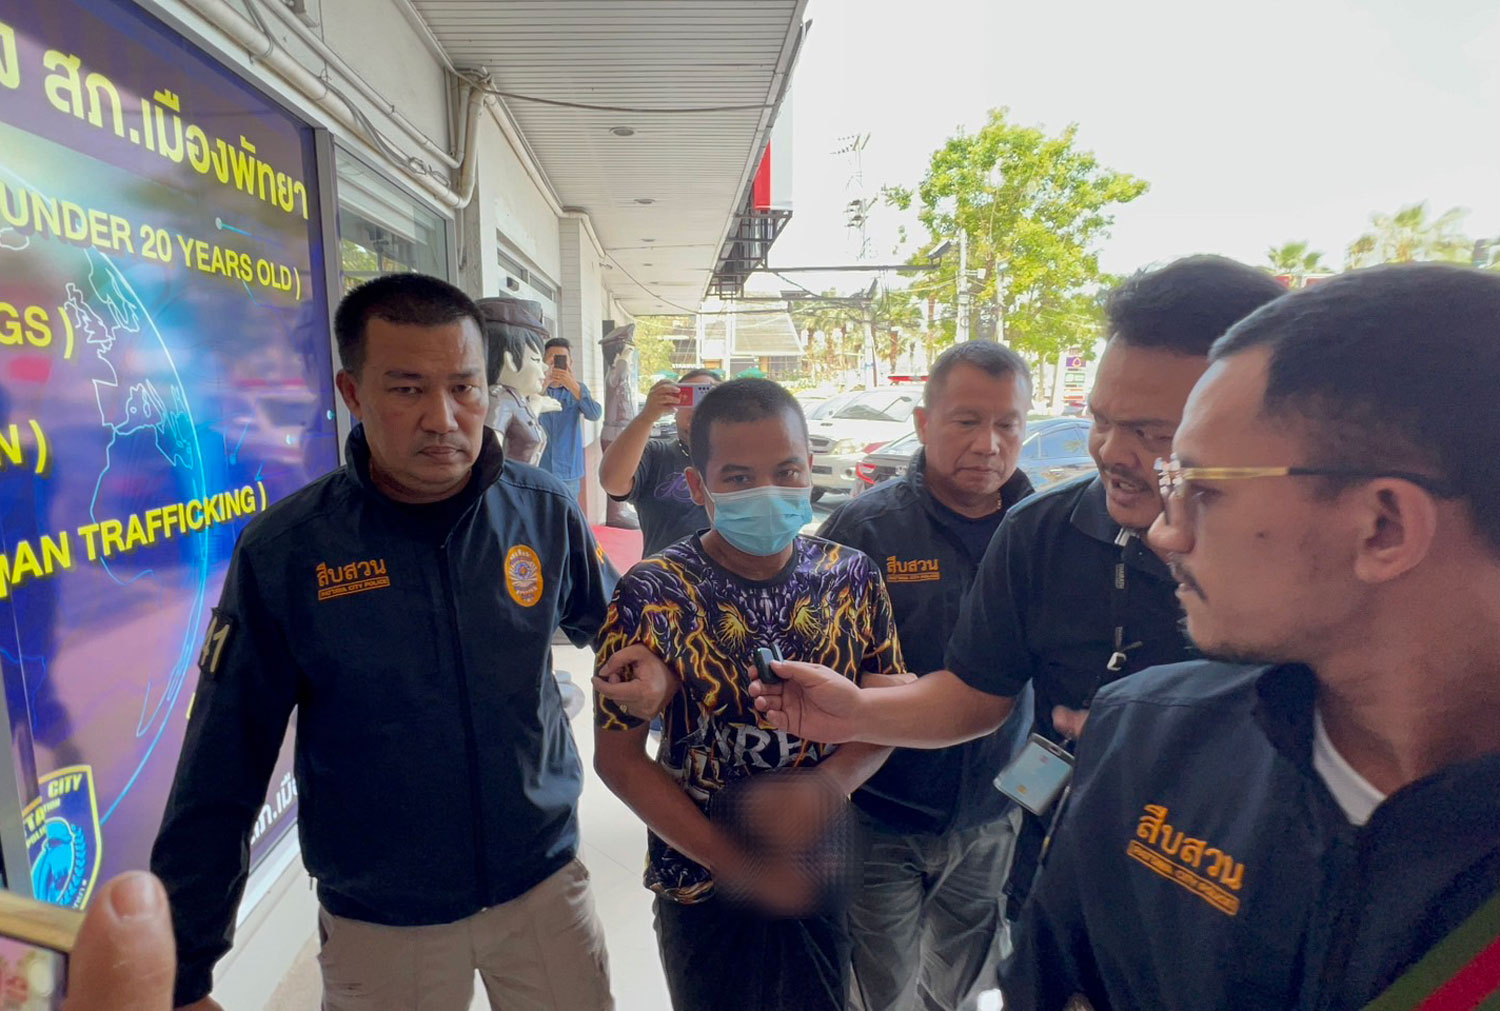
(62, 837)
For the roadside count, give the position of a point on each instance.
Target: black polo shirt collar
(1091, 516)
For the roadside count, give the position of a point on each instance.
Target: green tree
(653, 339)
(831, 325)
(896, 318)
(1296, 259)
(1409, 235)
(1035, 208)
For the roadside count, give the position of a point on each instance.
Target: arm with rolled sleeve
(248, 685)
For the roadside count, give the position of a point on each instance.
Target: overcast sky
(1254, 125)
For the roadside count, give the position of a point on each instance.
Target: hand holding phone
(689, 394)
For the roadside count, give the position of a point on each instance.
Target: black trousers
(723, 957)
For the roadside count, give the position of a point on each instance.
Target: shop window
(382, 229)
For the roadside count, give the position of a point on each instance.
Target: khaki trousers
(542, 951)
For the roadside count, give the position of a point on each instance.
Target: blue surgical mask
(762, 521)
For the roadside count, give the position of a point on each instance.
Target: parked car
(890, 460)
(1055, 450)
(816, 408)
(841, 439)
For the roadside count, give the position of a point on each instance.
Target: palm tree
(1408, 235)
(840, 327)
(895, 314)
(1295, 259)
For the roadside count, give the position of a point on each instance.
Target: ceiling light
(622, 131)
(648, 240)
(648, 265)
(645, 201)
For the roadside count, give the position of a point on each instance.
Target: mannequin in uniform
(514, 334)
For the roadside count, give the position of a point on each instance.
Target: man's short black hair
(692, 374)
(409, 299)
(740, 400)
(1390, 368)
(995, 359)
(559, 342)
(1188, 304)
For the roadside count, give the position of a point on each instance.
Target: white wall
(377, 41)
(508, 200)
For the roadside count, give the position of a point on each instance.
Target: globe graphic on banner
(120, 427)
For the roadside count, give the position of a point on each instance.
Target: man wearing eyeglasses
(1068, 597)
(1319, 827)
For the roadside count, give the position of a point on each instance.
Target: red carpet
(622, 546)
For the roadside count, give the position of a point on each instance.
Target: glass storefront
(383, 229)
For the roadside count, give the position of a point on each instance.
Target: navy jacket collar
(1012, 491)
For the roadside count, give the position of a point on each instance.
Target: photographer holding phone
(649, 473)
(563, 457)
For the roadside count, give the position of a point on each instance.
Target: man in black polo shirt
(926, 920)
(1322, 833)
(1067, 598)
(650, 473)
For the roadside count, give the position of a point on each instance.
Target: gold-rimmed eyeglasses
(1172, 478)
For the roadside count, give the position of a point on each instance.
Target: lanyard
(1119, 599)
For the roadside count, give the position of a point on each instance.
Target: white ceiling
(637, 54)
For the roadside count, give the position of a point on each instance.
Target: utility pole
(1000, 302)
(963, 285)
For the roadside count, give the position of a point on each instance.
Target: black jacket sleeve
(833, 529)
(589, 583)
(246, 690)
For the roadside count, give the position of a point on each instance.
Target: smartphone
(763, 658)
(1036, 776)
(36, 939)
(559, 362)
(688, 394)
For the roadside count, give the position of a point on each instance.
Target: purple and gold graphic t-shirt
(827, 606)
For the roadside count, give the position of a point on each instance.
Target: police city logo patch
(350, 578)
(1206, 871)
(63, 837)
(523, 575)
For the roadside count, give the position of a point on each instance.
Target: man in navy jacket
(404, 606)
(1321, 826)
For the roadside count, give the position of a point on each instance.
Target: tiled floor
(614, 850)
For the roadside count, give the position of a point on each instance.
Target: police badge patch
(523, 575)
(63, 837)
